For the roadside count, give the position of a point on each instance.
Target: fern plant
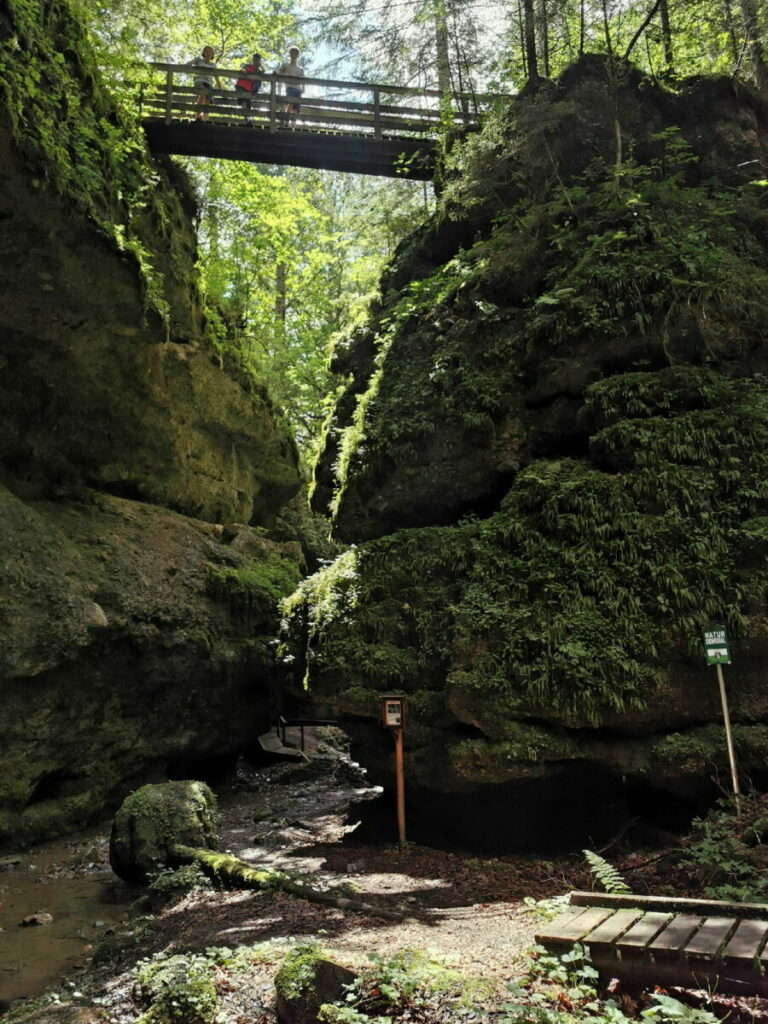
(606, 874)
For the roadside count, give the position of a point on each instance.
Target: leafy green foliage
(605, 873)
(726, 854)
(297, 971)
(170, 884)
(572, 594)
(290, 257)
(563, 990)
(395, 987)
(652, 251)
(177, 990)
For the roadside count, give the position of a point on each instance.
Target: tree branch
(646, 22)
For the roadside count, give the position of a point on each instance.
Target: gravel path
(466, 912)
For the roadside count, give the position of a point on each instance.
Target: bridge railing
(327, 105)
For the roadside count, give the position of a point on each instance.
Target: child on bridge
(203, 81)
(247, 87)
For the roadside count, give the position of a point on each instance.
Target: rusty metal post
(168, 95)
(400, 773)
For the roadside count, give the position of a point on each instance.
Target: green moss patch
(577, 594)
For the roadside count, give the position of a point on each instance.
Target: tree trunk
(521, 29)
(666, 36)
(530, 39)
(442, 50)
(237, 874)
(730, 25)
(755, 45)
(607, 29)
(544, 35)
(281, 294)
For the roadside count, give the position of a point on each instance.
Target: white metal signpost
(718, 653)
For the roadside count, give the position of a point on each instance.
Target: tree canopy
(290, 256)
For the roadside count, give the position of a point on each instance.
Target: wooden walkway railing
(387, 111)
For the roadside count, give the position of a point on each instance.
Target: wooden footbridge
(656, 940)
(385, 130)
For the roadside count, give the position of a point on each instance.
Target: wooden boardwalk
(654, 940)
(342, 126)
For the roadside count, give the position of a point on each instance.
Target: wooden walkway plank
(747, 941)
(709, 939)
(571, 926)
(674, 937)
(671, 904)
(644, 931)
(612, 928)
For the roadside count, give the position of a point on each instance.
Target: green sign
(716, 646)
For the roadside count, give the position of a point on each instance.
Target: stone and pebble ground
(467, 913)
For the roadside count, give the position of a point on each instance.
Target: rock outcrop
(551, 455)
(154, 819)
(139, 466)
(136, 642)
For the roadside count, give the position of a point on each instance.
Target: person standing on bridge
(203, 81)
(295, 70)
(248, 87)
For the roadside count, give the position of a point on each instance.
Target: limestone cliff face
(135, 641)
(551, 453)
(98, 390)
(134, 616)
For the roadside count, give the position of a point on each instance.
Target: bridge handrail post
(273, 106)
(168, 95)
(376, 112)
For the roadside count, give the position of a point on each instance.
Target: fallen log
(237, 874)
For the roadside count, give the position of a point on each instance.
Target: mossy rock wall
(601, 224)
(122, 656)
(111, 378)
(551, 453)
(136, 640)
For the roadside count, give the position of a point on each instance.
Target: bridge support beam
(359, 154)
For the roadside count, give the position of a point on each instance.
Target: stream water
(68, 879)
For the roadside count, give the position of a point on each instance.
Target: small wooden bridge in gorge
(385, 130)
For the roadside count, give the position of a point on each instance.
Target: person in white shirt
(295, 70)
(203, 81)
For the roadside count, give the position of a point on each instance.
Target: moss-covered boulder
(177, 989)
(551, 452)
(306, 980)
(154, 819)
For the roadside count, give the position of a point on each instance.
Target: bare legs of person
(203, 100)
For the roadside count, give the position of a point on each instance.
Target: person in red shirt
(247, 87)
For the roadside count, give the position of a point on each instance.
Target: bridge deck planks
(675, 936)
(568, 929)
(747, 941)
(686, 943)
(613, 928)
(641, 934)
